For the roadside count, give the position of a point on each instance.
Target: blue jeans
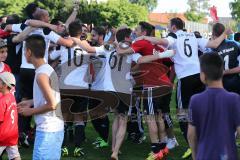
(47, 145)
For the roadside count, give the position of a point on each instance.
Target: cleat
(172, 143)
(187, 154)
(78, 152)
(102, 144)
(64, 151)
(97, 140)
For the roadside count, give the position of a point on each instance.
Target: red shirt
(153, 74)
(8, 120)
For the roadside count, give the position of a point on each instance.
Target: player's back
(186, 59)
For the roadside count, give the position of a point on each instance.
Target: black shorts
(232, 83)
(122, 108)
(186, 87)
(26, 82)
(164, 103)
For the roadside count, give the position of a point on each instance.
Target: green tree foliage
(235, 7)
(8, 7)
(198, 10)
(151, 4)
(116, 12)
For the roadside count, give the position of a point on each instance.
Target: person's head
(175, 24)
(35, 47)
(217, 30)
(3, 50)
(85, 32)
(42, 15)
(107, 26)
(30, 9)
(97, 35)
(75, 29)
(197, 34)
(144, 29)
(123, 34)
(211, 65)
(13, 19)
(237, 37)
(7, 81)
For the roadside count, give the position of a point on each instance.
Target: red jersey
(5, 68)
(8, 120)
(153, 74)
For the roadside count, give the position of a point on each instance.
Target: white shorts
(12, 151)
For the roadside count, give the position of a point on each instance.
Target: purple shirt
(216, 114)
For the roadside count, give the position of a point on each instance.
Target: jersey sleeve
(100, 50)
(52, 36)
(2, 111)
(202, 43)
(171, 38)
(55, 54)
(135, 57)
(18, 27)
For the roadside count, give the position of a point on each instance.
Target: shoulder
(46, 31)
(172, 35)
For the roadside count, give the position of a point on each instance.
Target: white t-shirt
(114, 74)
(51, 121)
(46, 33)
(74, 66)
(186, 61)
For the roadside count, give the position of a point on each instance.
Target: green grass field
(130, 151)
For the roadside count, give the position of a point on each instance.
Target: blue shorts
(47, 145)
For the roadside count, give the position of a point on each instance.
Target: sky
(181, 6)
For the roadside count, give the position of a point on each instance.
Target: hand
(26, 111)
(25, 104)
(228, 31)
(165, 54)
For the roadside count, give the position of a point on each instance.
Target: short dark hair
(36, 44)
(30, 9)
(178, 22)
(123, 33)
(100, 31)
(146, 27)
(13, 19)
(218, 29)
(237, 36)
(211, 65)
(75, 29)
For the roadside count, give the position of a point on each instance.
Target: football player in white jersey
(186, 64)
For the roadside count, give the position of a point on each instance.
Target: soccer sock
(155, 147)
(79, 135)
(101, 125)
(184, 128)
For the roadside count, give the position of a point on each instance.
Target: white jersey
(114, 74)
(46, 33)
(186, 61)
(51, 121)
(74, 67)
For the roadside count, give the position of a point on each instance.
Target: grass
(130, 151)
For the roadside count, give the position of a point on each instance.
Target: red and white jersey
(8, 120)
(186, 61)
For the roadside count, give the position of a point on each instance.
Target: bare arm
(8, 28)
(154, 40)
(156, 56)
(192, 140)
(23, 35)
(71, 18)
(84, 45)
(40, 24)
(65, 42)
(232, 71)
(216, 42)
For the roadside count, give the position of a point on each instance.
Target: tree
(198, 10)
(235, 7)
(151, 4)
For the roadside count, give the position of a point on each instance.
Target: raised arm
(23, 35)
(216, 42)
(72, 17)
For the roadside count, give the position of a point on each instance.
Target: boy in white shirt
(46, 102)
